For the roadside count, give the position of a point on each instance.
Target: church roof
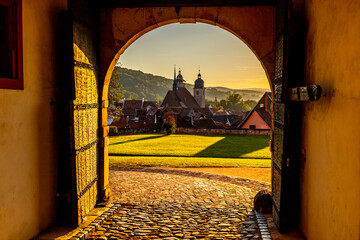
(181, 98)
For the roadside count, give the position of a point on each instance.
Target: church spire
(175, 87)
(174, 71)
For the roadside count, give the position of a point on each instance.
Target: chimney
(142, 103)
(123, 104)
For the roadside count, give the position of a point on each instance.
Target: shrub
(113, 131)
(169, 125)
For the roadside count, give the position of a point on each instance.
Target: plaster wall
(256, 120)
(29, 126)
(330, 206)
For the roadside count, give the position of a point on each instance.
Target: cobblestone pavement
(169, 205)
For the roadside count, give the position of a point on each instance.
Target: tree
(233, 101)
(251, 103)
(169, 125)
(115, 92)
(115, 96)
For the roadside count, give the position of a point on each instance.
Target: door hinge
(306, 93)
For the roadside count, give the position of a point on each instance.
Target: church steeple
(199, 83)
(199, 90)
(175, 86)
(180, 81)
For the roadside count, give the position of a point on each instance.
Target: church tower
(199, 91)
(180, 80)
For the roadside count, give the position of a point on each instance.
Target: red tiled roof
(129, 111)
(182, 122)
(132, 104)
(150, 103)
(225, 118)
(236, 123)
(208, 124)
(205, 111)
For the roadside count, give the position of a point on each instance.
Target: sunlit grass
(177, 145)
(149, 161)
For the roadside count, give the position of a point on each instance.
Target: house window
(197, 92)
(11, 74)
(252, 127)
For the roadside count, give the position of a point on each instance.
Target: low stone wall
(247, 132)
(257, 132)
(129, 131)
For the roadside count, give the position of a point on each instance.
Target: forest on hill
(138, 85)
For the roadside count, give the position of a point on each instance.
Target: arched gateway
(102, 32)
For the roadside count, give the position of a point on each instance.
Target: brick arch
(120, 27)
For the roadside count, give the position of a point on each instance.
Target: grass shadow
(237, 147)
(138, 139)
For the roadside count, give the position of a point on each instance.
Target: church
(180, 98)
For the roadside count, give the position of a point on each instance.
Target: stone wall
(260, 132)
(247, 132)
(128, 131)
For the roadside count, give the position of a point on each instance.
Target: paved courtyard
(170, 204)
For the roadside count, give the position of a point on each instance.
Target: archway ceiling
(120, 27)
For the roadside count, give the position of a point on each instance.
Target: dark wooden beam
(180, 3)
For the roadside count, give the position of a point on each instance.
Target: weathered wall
(256, 120)
(30, 129)
(331, 141)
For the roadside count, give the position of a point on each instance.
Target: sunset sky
(223, 58)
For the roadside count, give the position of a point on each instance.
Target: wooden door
(283, 186)
(84, 110)
(289, 93)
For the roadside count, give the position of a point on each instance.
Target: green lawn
(150, 161)
(189, 151)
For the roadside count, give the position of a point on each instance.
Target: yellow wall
(331, 146)
(29, 146)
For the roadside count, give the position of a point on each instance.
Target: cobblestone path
(159, 205)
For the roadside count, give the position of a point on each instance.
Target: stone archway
(120, 27)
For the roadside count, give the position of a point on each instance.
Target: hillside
(138, 85)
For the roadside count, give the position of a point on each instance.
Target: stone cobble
(161, 205)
